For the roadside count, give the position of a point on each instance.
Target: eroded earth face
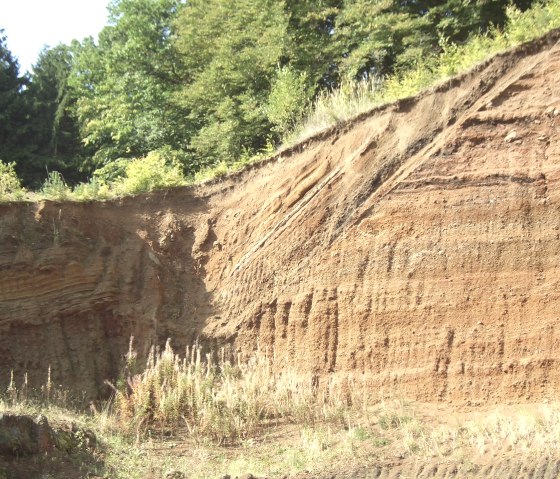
(418, 245)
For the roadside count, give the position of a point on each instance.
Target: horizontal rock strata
(417, 247)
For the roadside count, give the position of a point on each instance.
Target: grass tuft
(222, 400)
(10, 185)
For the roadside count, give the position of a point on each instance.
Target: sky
(32, 24)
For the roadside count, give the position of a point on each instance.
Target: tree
(231, 50)
(375, 37)
(311, 48)
(126, 83)
(52, 126)
(51, 97)
(13, 109)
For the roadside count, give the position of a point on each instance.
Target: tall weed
(221, 399)
(336, 106)
(55, 188)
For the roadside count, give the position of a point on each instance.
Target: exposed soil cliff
(419, 244)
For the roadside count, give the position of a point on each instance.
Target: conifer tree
(14, 114)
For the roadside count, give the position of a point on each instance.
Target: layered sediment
(417, 246)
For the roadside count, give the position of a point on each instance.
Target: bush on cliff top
(10, 185)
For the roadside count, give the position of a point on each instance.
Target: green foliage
(149, 173)
(13, 109)
(520, 26)
(371, 35)
(379, 37)
(53, 128)
(126, 83)
(55, 188)
(10, 185)
(409, 82)
(157, 170)
(92, 190)
(310, 44)
(231, 50)
(288, 100)
(222, 168)
(49, 92)
(37, 127)
(539, 19)
(111, 172)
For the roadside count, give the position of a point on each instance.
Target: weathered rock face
(30, 448)
(77, 280)
(419, 245)
(21, 435)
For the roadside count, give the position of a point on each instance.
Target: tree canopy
(209, 81)
(13, 111)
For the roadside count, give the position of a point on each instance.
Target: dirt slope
(419, 244)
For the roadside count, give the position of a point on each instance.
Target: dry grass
(209, 416)
(337, 106)
(224, 400)
(528, 430)
(374, 436)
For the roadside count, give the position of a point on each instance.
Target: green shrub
(157, 170)
(111, 172)
(539, 19)
(410, 82)
(92, 190)
(55, 188)
(10, 185)
(288, 100)
(149, 173)
(336, 106)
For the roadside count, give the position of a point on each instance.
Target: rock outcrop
(22, 435)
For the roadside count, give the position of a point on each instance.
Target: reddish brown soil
(414, 244)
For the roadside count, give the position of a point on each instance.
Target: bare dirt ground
(392, 440)
(418, 246)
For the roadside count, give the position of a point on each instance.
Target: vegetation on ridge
(207, 87)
